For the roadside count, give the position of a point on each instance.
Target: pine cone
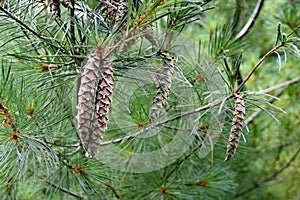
(93, 106)
(103, 103)
(236, 126)
(115, 10)
(86, 100)
(164, 78)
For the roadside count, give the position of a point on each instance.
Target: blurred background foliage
(39, 69)
(270, 144)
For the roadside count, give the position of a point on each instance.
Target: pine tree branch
(59, 187)
(158, 124)
(275, 181)
(281, 85)
(25, 27)
(294, 31)
(74, 151)
(64, 190)
(273, 175)
(251, 20)
(292, 141)
(257, 65)
(280, 37)
(21, 23)
(63, 145)
(114, 191)
(29, 39)
(183, 159)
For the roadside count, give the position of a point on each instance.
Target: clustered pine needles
(51, 53)
(115, 12)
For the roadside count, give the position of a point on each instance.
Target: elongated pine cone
(55, 8)
(94, 101)
(86, 102)
(115, 10)
(236, 126)
(164, 83)
(103, 100)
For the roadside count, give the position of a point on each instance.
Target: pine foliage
(122, 99)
